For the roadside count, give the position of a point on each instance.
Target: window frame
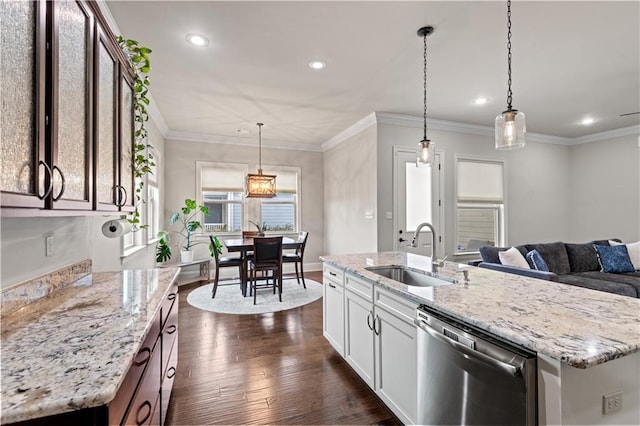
(500, 234)
(296, 198)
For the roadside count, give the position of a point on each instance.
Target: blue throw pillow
(536, 261)
(614, 259)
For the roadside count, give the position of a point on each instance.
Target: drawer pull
(171, 372)
(144, 405)
(331, 285)
(172, 329)
(333, 274)
(147, 353)
(172, 296)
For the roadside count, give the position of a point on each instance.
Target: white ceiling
(570, 60)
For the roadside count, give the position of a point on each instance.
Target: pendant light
(259, 185)
(423, 157)
(510, 125)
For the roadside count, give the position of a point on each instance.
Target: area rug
(229, 300)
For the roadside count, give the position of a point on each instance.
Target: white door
(416, 199)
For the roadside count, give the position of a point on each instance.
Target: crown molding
(458, 127)
(610, 134)
(239, 141)
(354, 129)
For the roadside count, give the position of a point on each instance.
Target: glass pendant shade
(510, 130)
(261, 186)
(423, 157)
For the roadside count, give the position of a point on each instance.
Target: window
(480, 204)
(133, 241)
(280, 212)
(221, 188)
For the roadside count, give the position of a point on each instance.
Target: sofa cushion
(580, 280)
(513, 257)
(554, 254)
(614, 259)
(582, 257)
(629, 278)
(536, 261)
(489, 254)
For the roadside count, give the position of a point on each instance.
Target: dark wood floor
(265, 369)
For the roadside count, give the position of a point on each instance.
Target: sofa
(574, 264)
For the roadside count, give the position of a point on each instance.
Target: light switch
(388, 215)
(48, 245)
(368, 214)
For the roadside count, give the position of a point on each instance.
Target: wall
(537, 183)
(350, 190)
(180, 183)
(605, 190)
(22, 242)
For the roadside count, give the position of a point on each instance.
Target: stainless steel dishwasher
(467, 377)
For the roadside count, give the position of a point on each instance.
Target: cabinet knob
(171, 329)
(145, 409)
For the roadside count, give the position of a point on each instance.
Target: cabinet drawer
(142, 408)
(168, 304)
(333, 273)
(169, 336)
(167, 383)
(403, 308)
(119, 405)
(359, 286)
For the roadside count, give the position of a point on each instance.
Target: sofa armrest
(531, 273)
(474, 262)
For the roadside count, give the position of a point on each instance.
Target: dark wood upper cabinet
(67, 115)
(24, 175)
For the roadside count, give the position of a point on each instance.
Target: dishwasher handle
(513, 370)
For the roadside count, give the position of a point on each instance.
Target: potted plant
(259, 227)
(186, 219)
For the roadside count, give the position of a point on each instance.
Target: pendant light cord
(509, 92)
(425, 87)
(260, 146)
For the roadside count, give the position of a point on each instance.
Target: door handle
(369, 320)
(54, 168)
(402, 240)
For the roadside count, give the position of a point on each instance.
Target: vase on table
(186, 256)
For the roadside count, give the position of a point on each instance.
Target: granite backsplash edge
(21, 294)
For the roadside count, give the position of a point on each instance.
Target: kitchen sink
(410, 276)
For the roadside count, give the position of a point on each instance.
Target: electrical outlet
(612, 402)
(48, 245)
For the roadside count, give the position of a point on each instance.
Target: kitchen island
(90, 348)
(587, 342)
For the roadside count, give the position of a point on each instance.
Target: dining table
(244, 245)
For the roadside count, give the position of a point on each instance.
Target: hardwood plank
(272, 368)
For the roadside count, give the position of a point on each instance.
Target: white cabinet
(358, 350)
(333, 307)
(380, 343)
(395, 355)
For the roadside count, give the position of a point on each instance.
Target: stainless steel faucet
(414, 243)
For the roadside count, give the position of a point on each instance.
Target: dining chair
(223, 262)
(267, 257)
(297, 257)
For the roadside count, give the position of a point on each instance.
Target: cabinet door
(24, 174)
(106, 125)
(359, 336)
(396, 365)
(333, 314)
(71, 119)
(127, 188)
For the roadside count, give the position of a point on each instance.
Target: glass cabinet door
(24, 175)
(71, 137)
(106, 142)
(127, 141)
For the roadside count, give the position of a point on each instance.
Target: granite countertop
(579, 327)
(71, 349)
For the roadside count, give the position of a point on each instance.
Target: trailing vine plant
(143, 162)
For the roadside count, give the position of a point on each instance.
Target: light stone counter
(576, 326)
(72, 348)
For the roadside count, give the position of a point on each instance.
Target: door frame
(435, 209)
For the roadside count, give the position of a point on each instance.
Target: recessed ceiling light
(243, 131)
(587, 121)
(317, 65)
(480, 101)
(197, 39)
